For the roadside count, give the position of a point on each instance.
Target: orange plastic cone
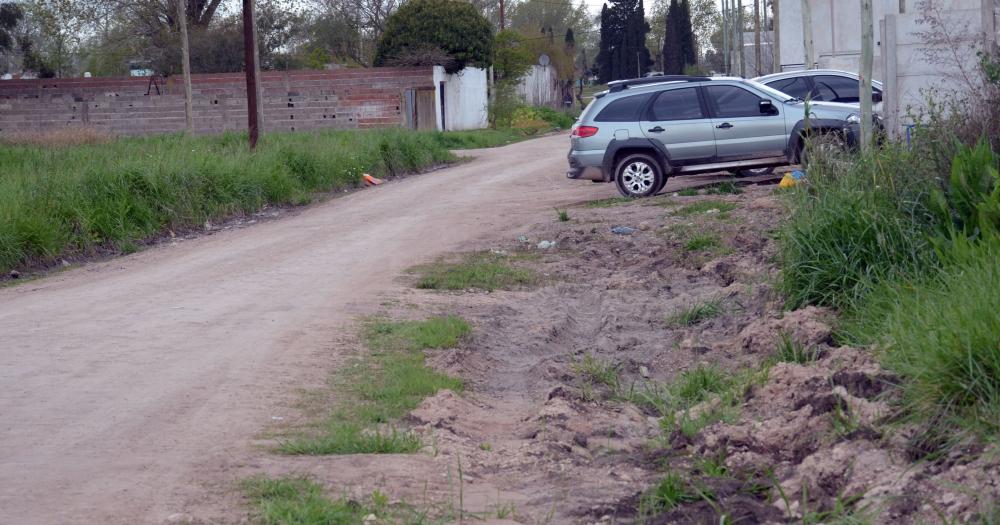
(371, 181)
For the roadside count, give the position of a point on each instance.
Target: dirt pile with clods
(652, 375)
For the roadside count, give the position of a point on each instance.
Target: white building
(906, 59)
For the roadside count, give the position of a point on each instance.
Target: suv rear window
(625, 109)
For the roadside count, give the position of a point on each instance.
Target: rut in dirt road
(121, 378)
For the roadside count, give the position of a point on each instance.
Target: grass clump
(483, 271)
(696, 313)
(705, 206)
(671, 491)
(79, 199)
(689, 192)
(597, 371)
(299, 501)
(791, 351)
(562, 215)
(376, 391)
(702, 242)
(483, 138)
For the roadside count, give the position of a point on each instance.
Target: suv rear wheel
(639, 175)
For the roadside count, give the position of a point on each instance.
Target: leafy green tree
(454, 27)
(512, 56)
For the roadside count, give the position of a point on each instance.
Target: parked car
(823, 85)
(640, 131)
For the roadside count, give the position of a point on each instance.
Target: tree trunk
(807, 35)
(756, 37)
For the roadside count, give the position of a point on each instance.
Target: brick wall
(293, 100)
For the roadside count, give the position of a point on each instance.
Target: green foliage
(378, 390)
(622, 53)
(484, 271)
(10, 15)
(562, 215)
(701, 242)
(456, 28)
(679, 50)
(70, 201)
(970, 202)
(724, 188)
(512, 57)
(598, 371)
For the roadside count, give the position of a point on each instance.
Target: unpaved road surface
(123, 380)
(120, 378)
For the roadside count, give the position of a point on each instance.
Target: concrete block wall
(292, 101)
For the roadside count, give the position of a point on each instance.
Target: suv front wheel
(638, 175)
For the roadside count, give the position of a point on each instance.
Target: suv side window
(837, 89)
(677, 104)
(625, 109)
(796, 86)
(733, 102)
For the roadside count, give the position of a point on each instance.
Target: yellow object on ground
(787, 181)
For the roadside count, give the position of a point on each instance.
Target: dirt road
(119, 378)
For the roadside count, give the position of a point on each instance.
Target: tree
(622, 52)
(679, 47)
(454, 27)
(10, 15)
(512, 56)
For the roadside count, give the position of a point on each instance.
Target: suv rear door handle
(724, 125)
(657, 129)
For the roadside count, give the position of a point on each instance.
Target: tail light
(584, 131)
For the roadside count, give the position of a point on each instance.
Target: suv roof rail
(620, 85)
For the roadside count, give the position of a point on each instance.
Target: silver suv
(640, 131)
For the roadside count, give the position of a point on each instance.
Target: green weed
(596, 371)
(562, 215)
(608, 203)
(484, 271)
(377, 390)
(689, 192)
(697, 313)
(670, 492)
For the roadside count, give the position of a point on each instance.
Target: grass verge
(80, 198)
(299, 501)
(376, 391)
(696, 313)
(481, 270)
(705, 206)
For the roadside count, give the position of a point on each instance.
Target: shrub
(455, 28)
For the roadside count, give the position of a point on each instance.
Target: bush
(451, 26)
(76, 200)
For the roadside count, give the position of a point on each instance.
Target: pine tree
(688, 47)
(673, 57)
(623, 52)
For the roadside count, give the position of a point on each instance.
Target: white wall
(465, 99)
(539, 88)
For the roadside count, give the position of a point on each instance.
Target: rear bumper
(585, 165)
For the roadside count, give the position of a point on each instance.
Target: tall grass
(77, 199)
(905, 243)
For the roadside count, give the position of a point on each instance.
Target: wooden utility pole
(726, 51)
(185, 67)
(502, 15)
(740, 25)
(807, 35)
(865, 76)
(776, 41)
(250, 59)
(756, 37)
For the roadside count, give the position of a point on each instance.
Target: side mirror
(767, 108)
(876, 97)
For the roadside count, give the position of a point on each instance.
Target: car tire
(824, 143)
(639, 175)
